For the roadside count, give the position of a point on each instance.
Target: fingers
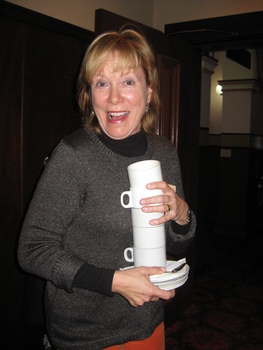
(154, 295)
(162, 185)
(135, 285)
(158, 293)
(169, 195)
(174, 207)
(162, 203)
(155, 270)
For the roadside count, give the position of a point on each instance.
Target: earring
(92, 113)
(147, 108)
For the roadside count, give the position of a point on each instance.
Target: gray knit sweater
(76, 216)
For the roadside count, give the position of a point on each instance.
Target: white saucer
(169, 280)
(170, 276)
(170, 265)
(173, 284)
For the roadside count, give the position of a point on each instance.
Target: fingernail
(145, 209)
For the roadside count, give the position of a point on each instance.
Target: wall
(82, 12)
(230, 70)
(252, 107)
(235, 148)
(216, 99)
(154, 13)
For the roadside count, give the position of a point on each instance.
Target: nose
(115, 96)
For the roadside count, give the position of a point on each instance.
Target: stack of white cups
(149, 247)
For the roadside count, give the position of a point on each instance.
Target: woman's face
(119, 98)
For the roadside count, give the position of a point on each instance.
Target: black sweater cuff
(181, 229)
(94, 279)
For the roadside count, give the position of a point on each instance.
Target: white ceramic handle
(126, 254)
(129, 194)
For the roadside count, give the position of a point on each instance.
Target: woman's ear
(149, 95)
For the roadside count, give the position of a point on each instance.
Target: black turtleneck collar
(133, 146)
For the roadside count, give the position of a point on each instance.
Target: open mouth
(117, 116)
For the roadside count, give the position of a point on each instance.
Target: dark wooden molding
(39, 20)
(221, 33)
(106, 20)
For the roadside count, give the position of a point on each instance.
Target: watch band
(189, 217)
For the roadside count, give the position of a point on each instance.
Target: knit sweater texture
(76, 217)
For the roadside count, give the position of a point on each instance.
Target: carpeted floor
(226, 312)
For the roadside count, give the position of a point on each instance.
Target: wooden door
(51, 64)
(169, 76)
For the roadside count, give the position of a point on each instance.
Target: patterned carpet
(226, 312)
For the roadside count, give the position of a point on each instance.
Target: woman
(76, 230)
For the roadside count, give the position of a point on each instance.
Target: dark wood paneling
(37, 20)
(40, 59)
(189, 117)
(52, 62)
(11, 78)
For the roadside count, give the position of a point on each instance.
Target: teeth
(116, 114)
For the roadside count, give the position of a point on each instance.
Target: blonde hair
(135, 52)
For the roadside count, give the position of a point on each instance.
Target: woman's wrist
(185, 219)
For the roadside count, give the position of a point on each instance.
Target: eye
(129, 82)
(100, 84)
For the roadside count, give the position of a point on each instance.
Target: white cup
(149, 238)
(146, 257)
(144, 172)
(141, 219)
(136, 194)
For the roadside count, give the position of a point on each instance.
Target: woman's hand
(174, 207)
(135, 285)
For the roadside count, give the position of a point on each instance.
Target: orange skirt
(155, 342)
